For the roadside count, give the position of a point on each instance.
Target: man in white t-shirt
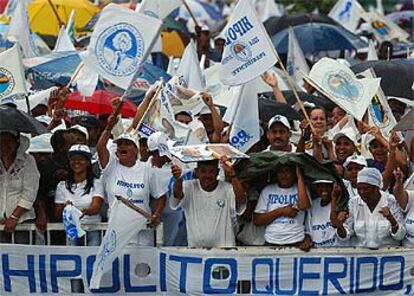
(209, 204)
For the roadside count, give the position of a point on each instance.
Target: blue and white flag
(63, 42)
(159, 9)
(189, 70)
(338, 83)
(248, 51)
(121, 43)
(243, 117)
(266, 9)
(347, 13)
(71, 216)
(12, 80)
(296, 62)
(384, 29)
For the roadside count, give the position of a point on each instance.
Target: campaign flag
(380, 7)
(383, 28)
(12, 80)
(86, 81)
(63, 42)
(70, 26)
(372, 52)
(19, 30)
(338, 83)
(159, 9)
(189, 70)
(379, 112)
(243, 117)
(296, 63)
(120, 44)
(71, 222)
(266, 9)
(248, 50)
(347, 13)
(124, 223)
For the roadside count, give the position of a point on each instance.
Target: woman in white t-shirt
(82, 190)
(281, 207)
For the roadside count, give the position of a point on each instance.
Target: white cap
(323, 182)
(81, 129)
(347, 133)
(159, 141)
(40, 144)
(128, 136)
(9, 100)
(44, 119)
(370, 176)
(80, 149)
(206, 110)
(278, 118)
(358, 159)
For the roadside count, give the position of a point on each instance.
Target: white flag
(19, 30)
(12, 80)
(266, 9)
(372, 52)
(189, 70)
(347, 13)
(121, 43)
(63, 43)
(338, 83)
(384, 29)
(243, 117)
(296, 63)
(380, 7)
(248, 51)
(159, 9)
(124, 223)
(86, 81)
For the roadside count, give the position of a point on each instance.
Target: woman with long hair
(83, 190)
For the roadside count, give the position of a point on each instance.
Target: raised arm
(270, 79)
(103, 152)
(238, 189)
(142, 108)
(303, 198)
(401, 195)
(218, 124)
(178, 185)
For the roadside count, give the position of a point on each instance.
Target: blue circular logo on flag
(342, 85)
(6, 82)
(120, 49)
(241, 51)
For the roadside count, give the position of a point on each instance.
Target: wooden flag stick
(137, 209)
(77, 71)
(56, 13)
(191, 13)
(218, 156)
(295, 93)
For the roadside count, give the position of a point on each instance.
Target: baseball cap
(322, 182)
(347, 133)
(10, 101)
(159, 141)
(358, 159)
(129, 137)
(89, 121)
(40, 144)
(44, 119)
(279, 118)
(80, 149)
(81, 129)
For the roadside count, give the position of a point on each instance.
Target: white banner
(248, 51)
(12, 79)
(39, 270)
(347, 13)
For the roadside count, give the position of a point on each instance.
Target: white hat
(80, 149)
(323, 182)
(358, 159)
(9, 100)
(40, 144)
(81, 129)
(278, 118)
(44, 119)
(347, 133)
(206, 110)
(128, 136)
(370, 176)
(159, 141)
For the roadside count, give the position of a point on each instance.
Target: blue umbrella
(202, 11)
(316, 37)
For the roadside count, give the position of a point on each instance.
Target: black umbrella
(269, 107)
(15, 120)
(396, 79)
(305, 97)
(277, 24)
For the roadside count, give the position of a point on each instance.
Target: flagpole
(191, 13)
(56, 13)
(75, 75)
(137, 209)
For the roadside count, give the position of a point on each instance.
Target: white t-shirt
(283, 230)
(408, 240)
(79, 199)
(319, 225)
(135, 183)
(208, 214)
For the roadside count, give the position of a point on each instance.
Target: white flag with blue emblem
(248, 51)
(189, 70)
(338, 83)
(243, 116)
(347, 13)
(120, 44)
(12, 80)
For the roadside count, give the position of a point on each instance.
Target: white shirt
(283, 230)
(208, 214)
(319, 225)
(79, 199)
(372, 230)
(352, 191)
(408, 240)
(136, 183)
